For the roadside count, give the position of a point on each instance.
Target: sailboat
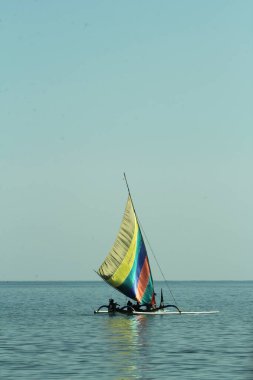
(127, 269)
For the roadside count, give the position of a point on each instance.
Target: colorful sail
(126, 267)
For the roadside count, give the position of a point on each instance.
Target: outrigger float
(126, 268)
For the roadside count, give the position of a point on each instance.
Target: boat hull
(158, 312)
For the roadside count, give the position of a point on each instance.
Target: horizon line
(37, 280)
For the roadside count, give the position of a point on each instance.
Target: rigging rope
(166, 282)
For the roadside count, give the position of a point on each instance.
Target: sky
(161, 90)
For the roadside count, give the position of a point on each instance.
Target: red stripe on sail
(143, 280)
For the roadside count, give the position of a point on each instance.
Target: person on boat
(137, 306)
(130, 307)
(112, 305)
(150, 307)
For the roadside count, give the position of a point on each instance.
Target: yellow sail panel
(123, 270)
(122, 248)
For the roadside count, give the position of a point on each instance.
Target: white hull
(160, 312)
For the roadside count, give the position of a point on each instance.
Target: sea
(48, 330)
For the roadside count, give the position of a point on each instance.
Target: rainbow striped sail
(126, 267)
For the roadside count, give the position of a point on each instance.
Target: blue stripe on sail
(129, 286)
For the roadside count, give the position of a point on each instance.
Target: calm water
(49, 331)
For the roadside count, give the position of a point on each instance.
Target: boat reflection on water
(126, 341)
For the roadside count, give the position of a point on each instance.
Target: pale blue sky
(159, 89)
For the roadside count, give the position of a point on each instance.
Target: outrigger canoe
(127, 269)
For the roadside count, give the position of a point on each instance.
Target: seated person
(112, 305)
(129, 306)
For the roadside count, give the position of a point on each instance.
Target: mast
(142, 230)
(129, 193)
(130, 196)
